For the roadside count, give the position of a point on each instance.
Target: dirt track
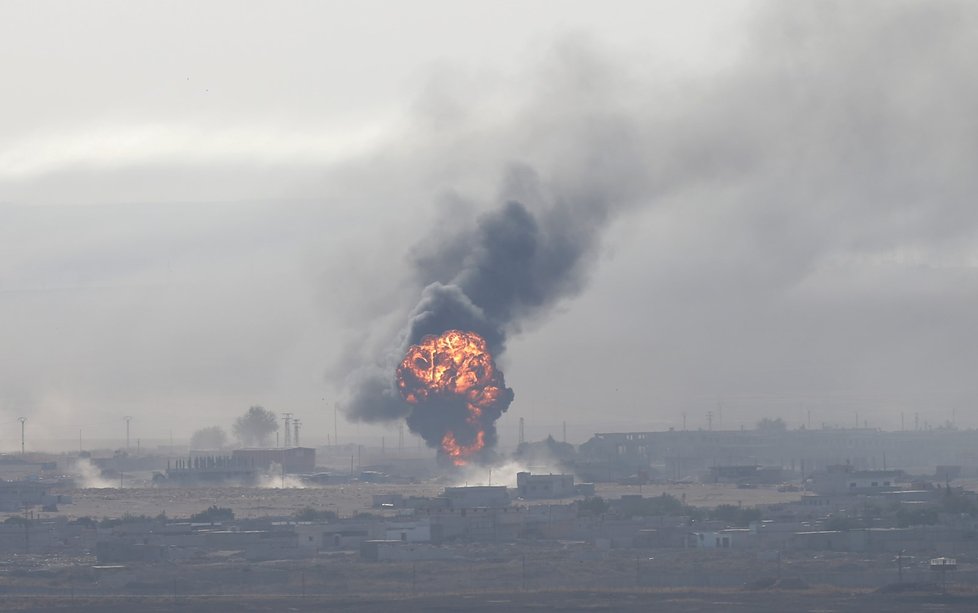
(659, 601)
(350, 498)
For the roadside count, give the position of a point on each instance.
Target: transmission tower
(287, 437)
(127, 419)
(295, 427)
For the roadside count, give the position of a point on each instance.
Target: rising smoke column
(487, 280)
(831, 114)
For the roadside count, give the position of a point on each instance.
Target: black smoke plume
(510, 265)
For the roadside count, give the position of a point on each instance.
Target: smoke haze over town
(525, 305)
(768, 208)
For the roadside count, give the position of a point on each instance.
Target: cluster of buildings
(847, 499)
(684, 454)
(842, 510)
(241, 467)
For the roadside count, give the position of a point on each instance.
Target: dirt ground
(347, 499)
(626, 601)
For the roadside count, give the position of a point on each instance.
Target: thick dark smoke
(512, 264)
(829, 154)
(516, 263)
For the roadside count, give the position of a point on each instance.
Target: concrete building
(16, 496)
(293, 460)
(400, 551)
(341, 535)
(677, 454)
(729, 538)
(842, 479)
(477, 496)
(544, 486)
(208, 470)
(747, 474)
(417, 531)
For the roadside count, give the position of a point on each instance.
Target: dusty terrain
(660, 601)
(347, 499)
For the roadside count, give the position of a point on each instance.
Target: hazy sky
(207, 205)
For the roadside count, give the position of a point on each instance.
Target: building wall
(294, 460)
(544, 486)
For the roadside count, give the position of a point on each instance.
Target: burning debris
(456, 393)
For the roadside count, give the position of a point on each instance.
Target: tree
(735, 515)
(772, 425)
(594, 506)
(255, 426)
(311, 514)
(213, 514)
(213, 437)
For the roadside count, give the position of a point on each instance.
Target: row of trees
(253, 429)
(666, 505)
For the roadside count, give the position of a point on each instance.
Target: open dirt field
(349, 498)
(661, 602)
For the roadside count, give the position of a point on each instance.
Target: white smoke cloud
(89, 476)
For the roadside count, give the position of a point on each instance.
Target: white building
(409, 532)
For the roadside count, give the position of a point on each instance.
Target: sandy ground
(346, 500)
(662, 602)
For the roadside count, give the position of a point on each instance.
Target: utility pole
(524, 573)
(22, 420)
(287, 437)
(328, 444)
(127, 419)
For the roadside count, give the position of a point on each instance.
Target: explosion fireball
(456, 391)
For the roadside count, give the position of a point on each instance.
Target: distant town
(761, 509)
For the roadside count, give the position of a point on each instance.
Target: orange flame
(458, 453)
(455, 363)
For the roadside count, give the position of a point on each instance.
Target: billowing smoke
(515, 263)
(510, 265)
(456, 393)
(828, 151)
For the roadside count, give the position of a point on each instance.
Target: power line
(127, 419)
(22, 420)
(287, 437)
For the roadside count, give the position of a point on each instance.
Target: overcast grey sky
(209, 205)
